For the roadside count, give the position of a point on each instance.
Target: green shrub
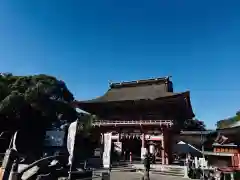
(237, 175)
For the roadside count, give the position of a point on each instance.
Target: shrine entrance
(147, 107)
(131, 146)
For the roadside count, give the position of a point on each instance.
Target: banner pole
(73, 151)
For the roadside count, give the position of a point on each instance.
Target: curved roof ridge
(140, 82)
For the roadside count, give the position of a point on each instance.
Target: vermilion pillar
(166, 146)
(236, 160)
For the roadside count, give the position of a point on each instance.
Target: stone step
(123, 170)
(168, 173)
(173, 170)
(116, 166)
(129, 168)
(168, 170)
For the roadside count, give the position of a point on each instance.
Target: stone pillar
(167, 160)
(185, 172)
(143, 149)
(166, 146)
(163, 151)
(143, 140)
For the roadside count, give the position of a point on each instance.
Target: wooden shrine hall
(141, 114)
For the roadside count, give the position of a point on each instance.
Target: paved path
(138, 175)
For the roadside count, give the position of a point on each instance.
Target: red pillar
(168, 145)
(238, 160)
(235, 160)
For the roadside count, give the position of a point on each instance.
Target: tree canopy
(32, 104)
(193, 125)
(228, 122)
(33, 100)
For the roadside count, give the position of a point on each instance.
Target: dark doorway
(133, 146)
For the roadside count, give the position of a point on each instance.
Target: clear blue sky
(88, 42)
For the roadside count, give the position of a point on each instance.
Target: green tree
(33, 103)
(227, 123)
(194, 125)
(85, 125)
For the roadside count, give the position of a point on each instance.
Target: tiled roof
(150, 89)
(159, 90)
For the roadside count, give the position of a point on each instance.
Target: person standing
(147, 164)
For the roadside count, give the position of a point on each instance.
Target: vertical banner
(107, 150)
(71, 140)
(196, 162)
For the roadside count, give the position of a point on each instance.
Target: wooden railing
(132, 122)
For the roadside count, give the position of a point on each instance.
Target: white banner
(107, 150)
(71, 140)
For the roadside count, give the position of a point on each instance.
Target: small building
(221, 147)
(226, 148)
(224, 155)
(140, 114)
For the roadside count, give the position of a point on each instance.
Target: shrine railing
(132, 122)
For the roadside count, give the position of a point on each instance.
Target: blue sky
(87, 43)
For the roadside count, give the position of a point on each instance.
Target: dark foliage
(226, 123)
(31, 104)
(193, 125)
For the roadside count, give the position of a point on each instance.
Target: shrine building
(141, 114)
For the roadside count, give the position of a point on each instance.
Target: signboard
(107, 150)
(154, 138)
(118, 147)
(152, 149)
(71, 140)
(225, 150)
(54, 138)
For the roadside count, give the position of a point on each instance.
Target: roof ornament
(168, 77)
(110, 82)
